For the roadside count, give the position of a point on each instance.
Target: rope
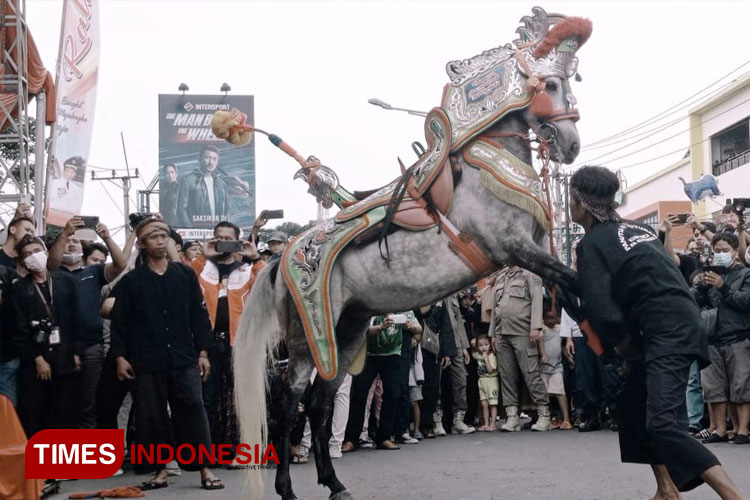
(543, 153)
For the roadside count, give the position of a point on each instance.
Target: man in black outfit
(159, 324)
(45, 306)
(646, 320)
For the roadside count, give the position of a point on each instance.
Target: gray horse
(421, 270)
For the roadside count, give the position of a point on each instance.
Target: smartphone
(89, 221)
(274, 214)
(720, 270)
(228, 246)
(398, 319)
(682, 218)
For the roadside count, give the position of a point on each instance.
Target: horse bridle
(542, 107)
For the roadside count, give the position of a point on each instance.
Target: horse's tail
(257, 335)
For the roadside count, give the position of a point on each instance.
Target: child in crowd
(489, 386)
(416, 380)
(552, 370)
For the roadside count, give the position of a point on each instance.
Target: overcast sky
(313, 65)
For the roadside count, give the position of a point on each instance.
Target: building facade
(719, 145)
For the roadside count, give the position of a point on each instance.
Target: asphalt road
(557, 465)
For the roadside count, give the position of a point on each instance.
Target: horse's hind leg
(319, 411)
(350, 333)
(299, 372)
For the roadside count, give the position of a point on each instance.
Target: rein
(543, 153)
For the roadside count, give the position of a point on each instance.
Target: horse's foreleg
(321, 399)
(549, 268)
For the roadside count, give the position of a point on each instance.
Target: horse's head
(530, 77)
(552, 117)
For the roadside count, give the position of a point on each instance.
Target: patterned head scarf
(601, 208)
(150, 226)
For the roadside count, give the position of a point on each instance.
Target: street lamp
(385, 105)
(225, 88)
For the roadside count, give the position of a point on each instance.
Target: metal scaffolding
(15, 170)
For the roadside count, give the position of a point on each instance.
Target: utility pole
(122, 181)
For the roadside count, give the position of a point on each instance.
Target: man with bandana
(640, 313)
(67, 254)
(161, 338)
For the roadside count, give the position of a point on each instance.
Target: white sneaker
(334, 449)
(407, 439)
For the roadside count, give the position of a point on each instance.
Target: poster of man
(65, 192)
(203, 180)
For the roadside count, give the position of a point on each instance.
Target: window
(730, 148)
(651, 219)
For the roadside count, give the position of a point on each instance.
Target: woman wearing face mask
(44, 305)
(727, 379)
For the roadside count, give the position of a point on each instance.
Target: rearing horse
(493, 101)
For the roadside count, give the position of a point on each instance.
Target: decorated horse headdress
(488, 86)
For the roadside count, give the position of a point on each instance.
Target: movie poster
(202, 179)
(77, 74)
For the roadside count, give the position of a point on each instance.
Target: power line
(665, 139)
(675, 151)
(658, 128)
(649, 120)
(104, 186)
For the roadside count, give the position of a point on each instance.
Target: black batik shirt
(631, 287)
(160, 322)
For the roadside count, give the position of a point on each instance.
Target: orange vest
(239, 284)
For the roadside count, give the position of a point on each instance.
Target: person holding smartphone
(384, 341)
(226, 270)
(727, 379)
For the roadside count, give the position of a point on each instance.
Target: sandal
(702, 434)
(715, 438)
(388, 445)
(299, 459)
(154, 485)
(212, 483)
(566, 426)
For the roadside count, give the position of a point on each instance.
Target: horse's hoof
(341, 495)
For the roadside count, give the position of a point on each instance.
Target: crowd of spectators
(97, 336)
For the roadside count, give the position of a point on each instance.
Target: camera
(739, 205)
(42, 330)
(137, 217)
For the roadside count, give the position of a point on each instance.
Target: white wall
(665, 188)
(723, 115)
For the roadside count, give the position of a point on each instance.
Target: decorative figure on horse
(470, 203)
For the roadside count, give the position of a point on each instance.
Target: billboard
(77, 71)
(202, 179)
